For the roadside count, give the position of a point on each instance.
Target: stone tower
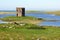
(20, 11)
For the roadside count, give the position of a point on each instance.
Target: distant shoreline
(29, 11)
(54, 12)
(7, 12)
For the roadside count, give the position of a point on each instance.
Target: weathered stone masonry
(20, 11)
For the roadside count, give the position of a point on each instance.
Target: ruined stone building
(20, 11)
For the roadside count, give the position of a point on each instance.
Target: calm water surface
(40, 15)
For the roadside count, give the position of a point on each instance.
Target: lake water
(40, 15)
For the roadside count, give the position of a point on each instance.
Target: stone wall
(20, 11)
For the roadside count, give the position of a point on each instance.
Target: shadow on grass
(36, 27)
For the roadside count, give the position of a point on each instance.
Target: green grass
(14, 18)
(17, 32)
(28, 32)
(25, 19)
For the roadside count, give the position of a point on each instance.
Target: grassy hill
(26, 19)
(28, 32)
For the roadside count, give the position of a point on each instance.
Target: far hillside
(13, 11)
(54, 12)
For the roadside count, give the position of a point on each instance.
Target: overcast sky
(30, 4)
